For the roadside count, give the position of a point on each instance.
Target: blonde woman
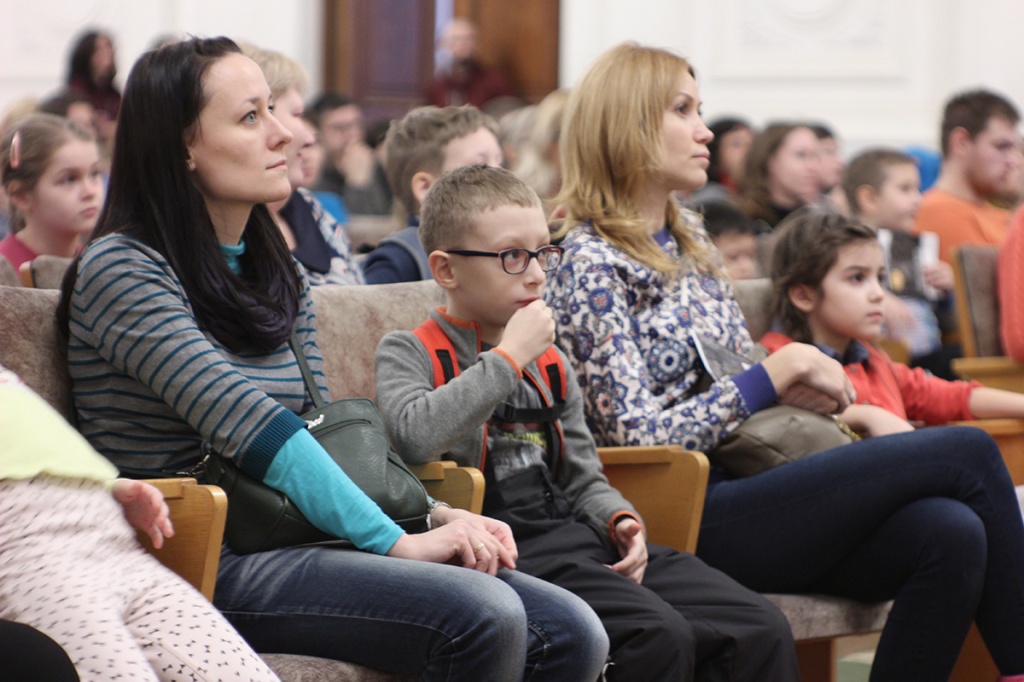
(312, 234)
(927, 518)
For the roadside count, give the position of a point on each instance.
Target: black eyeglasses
(515, 261)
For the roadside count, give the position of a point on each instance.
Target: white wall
(878, 71)
(35, 35)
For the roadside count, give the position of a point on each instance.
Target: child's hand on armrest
(871, 420)
(529, 332)
(145, 509)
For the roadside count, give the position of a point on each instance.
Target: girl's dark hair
(805, 247)
(720, 128)
(80, 62)
(152, 197)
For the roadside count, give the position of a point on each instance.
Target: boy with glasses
(481, 383)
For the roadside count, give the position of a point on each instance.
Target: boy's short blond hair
(871, 168)
(453, 203)
(417, 143)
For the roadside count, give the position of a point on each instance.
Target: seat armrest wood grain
(461, 487)
(198, 513)
(44, 272)
(995, 372)
(667, 486)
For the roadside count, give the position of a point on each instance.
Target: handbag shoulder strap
(307, 375)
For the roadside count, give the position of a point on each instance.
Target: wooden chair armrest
(1009, 436)
(198, 513)
(994, 372)
(461, 487)
(667, 486)
(26, 275)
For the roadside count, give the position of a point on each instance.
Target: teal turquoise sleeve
(304, 471)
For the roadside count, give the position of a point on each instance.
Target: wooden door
(521, 38)
(379, 52)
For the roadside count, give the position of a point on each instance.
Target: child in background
(828, 273)
(50, 169)
(736, 238)
(429, 141)
(73, 569)
(882, 187)
(830, 170)
(490, 248)
(312, 162)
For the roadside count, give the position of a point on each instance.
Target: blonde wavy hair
(280, 70)
(612, 147)
(535, 166)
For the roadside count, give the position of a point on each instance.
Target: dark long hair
(755, 196)
(720, 128)
(152, 197)
(80, 62)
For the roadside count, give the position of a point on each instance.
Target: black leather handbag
(352, 432)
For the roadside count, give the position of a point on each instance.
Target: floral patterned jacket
(627, 329)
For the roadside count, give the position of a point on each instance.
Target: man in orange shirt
(979, 152)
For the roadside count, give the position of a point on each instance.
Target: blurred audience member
(736, 237)
(979, 156)
(780, 174)
(461, 77)
(351, 169)
(540, 165)
(72, 106)
(728, 149)
(830, 169)
(91, 71)
(311, 160)
(514, 132)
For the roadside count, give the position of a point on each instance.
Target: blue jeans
(927, 518)
(430, 621)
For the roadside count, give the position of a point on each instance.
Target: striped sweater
(149, 385)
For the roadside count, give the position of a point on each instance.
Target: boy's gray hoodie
(449, 423)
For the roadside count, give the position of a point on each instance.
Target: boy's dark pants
(686, 621)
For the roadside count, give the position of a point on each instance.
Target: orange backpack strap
(446, 367)
(440, 349)
(553, 372)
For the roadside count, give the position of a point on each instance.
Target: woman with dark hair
(728, 152)
(91, 71)
(927, 518)
(179, 314)
(781, 173)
